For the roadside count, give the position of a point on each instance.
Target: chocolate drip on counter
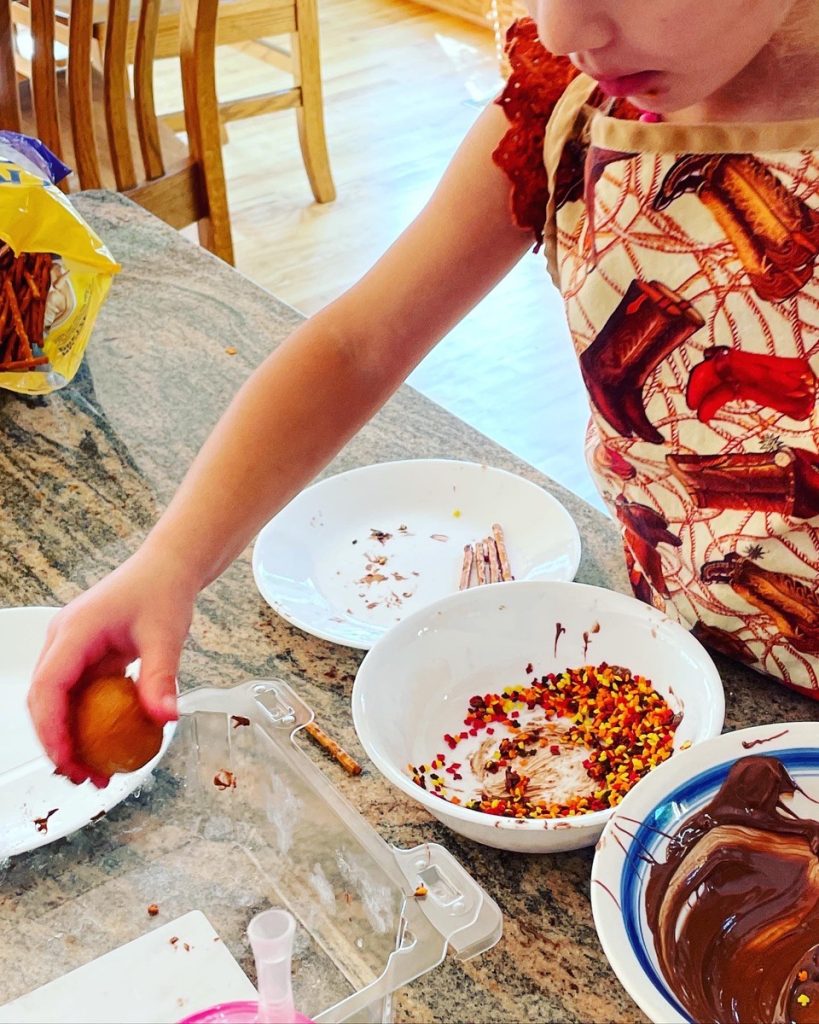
(734, 909)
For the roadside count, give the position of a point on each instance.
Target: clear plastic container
(276, 832)
(237, 819)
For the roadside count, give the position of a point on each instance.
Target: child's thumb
(157, 680)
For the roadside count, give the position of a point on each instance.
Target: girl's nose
(574, 26)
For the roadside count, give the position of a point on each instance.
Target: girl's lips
(629, 85)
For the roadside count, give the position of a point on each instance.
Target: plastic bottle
(271, 939)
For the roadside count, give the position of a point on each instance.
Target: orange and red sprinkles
(626, 725)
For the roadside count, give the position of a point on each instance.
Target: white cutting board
(147, 981)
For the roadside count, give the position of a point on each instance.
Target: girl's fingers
(160, 651)
(59, 668)
(79, 648)
(113, 663)
(65, 662)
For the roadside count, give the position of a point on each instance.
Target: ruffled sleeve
(537, 82)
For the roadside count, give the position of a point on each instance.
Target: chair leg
(310, 115)
(197, 43)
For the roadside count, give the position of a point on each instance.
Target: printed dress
(686, 257)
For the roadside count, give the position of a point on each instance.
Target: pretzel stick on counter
(466, 569)
(497, 533)
(337, 752)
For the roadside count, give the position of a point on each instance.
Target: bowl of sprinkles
(521, 715)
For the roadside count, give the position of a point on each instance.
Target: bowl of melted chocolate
(705, 884)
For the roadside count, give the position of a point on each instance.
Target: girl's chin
(660, 105)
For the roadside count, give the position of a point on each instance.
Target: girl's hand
(142, 610)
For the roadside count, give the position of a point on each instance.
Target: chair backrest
(191, 189)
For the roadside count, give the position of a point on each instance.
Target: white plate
(639, 829)
(310, 561)
(29, 789)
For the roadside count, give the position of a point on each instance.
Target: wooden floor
(402, 85)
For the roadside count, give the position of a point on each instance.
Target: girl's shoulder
(537, 81)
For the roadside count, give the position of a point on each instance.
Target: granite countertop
(87, 470)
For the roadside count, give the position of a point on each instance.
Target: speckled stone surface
(87, 470)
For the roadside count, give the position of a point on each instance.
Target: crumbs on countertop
(224, 779)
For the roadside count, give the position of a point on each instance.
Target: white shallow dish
(29, 789)
(663, 800)
(416, 682)
(310, 561)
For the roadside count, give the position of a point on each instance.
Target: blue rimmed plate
(638, 831)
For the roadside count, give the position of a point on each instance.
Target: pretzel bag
(54, 271)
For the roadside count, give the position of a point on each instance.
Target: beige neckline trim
(637, 136)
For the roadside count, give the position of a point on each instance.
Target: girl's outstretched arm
(293, 414)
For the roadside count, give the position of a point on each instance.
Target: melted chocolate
(41, 824)
(748, 744)
(605, 888)
(734, 909)
(587, 636)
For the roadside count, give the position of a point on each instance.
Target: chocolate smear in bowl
(734, 909)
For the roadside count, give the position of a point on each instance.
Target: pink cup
(246, 1012)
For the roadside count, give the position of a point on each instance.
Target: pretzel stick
(42, 268)
(466, 569)
(4, 315)
(8, 337)
(25, 364)
(17, 319)
(335, 751)
(480, 563)
(494, 566)
(497, 533)
(32, 285)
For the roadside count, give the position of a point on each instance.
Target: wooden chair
(73, 110)
(245, 21)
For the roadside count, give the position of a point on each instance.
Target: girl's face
(665, 55)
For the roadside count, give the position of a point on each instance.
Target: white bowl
(415, 684)
(639, 830)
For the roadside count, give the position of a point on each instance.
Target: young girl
(668, 166)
